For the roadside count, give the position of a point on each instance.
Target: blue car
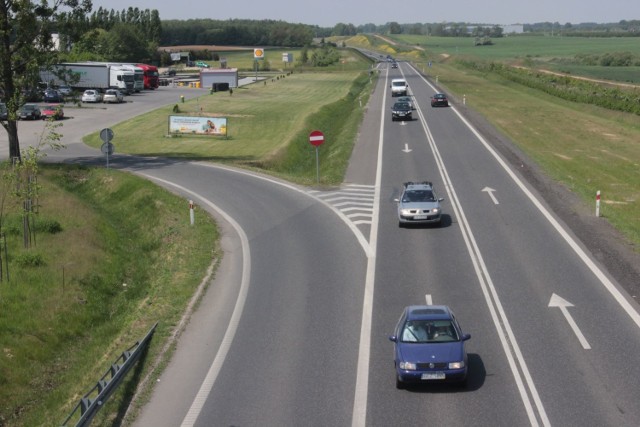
(429, 346)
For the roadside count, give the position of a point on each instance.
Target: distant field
(518, 47)
(619, 74)
(537, 51)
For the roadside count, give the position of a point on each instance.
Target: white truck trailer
(90, 75)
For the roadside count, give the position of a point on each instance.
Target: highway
(294, 328)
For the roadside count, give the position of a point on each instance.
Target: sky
(328, 13)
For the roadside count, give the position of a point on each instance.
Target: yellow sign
(258, 53)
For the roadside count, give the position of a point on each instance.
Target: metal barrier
(88, 405)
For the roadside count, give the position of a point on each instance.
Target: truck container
(89, 75)
(151, 76)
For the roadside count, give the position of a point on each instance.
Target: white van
(399, 87)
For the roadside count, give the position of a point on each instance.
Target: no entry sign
(316, 138)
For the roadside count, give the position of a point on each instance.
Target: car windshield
(401, 106)
(417, 196)
(429, 331)
(402, 84)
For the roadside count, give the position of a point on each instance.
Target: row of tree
(235, 32)
(465, 29)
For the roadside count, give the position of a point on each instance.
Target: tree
(26, 46)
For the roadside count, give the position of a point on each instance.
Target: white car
(91, 95)
(113, 96)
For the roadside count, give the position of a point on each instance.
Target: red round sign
(316, 138)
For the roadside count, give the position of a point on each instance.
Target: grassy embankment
(116, 254)
(586, 148)
(124, 256)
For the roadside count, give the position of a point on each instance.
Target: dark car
(429, 346)
(29, 112)
(52, 95)
(439, 100)
(401, 111)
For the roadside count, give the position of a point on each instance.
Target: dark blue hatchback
(429, 346)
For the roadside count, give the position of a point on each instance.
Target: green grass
(117, 264)
(523, 46)
(263, 120)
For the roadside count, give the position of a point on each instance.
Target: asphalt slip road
(293, 329)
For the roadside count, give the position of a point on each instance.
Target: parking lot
(82, 119)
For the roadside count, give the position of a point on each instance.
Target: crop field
(551, 52)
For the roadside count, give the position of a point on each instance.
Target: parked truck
(89, 75)
(151, 76)
(138, 76)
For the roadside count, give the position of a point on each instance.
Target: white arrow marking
(490, 191)
(562, 304)
(407, 149)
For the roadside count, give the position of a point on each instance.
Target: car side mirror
(441, 199)
(466, 337)
(393, 338)
(396, 200)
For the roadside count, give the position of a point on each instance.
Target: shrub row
(568, 88)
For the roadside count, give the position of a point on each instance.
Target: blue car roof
(428, 312)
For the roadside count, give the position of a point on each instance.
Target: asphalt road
(293, 330)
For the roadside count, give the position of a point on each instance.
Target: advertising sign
(185, 125)
(258, 53)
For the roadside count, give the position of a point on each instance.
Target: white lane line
(609, 286)
(207, 384)
(429, 299)
(359, 415)
(507, 338)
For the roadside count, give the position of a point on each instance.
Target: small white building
(513, 29)
(219, 76)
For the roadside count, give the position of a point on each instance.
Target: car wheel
(399, 384)
(400, 225)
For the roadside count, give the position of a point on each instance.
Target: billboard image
(185, 125)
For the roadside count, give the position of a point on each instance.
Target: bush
(29, 259)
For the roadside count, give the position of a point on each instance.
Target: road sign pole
(317, 167)
(316, 138)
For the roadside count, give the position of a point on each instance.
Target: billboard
(185, 125)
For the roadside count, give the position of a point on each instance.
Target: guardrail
(91, 402)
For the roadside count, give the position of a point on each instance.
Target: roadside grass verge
(121, 257)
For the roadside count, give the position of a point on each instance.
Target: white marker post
(598, 203)
(192, 216)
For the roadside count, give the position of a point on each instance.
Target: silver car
(91, 95)
(418, 204)
(113, 96)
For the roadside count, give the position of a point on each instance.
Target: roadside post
(316, 138)
(107, 148)
(192, 216)
(598, 203)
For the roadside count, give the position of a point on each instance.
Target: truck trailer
(89, 75)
